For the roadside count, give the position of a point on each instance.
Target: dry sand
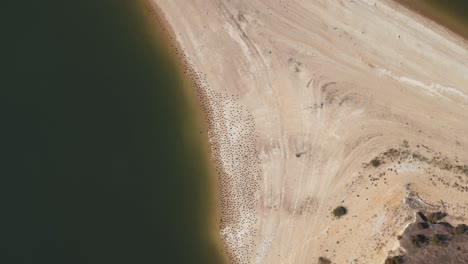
(300, 96)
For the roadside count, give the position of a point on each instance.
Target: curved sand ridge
(300, 96)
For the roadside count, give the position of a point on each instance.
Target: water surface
(453, 14)
(103, 159)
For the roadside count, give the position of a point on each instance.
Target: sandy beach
(300, 96)
(194, 98)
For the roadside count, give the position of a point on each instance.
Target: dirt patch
(433, 242)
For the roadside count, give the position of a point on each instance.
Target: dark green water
(102, 162)
(453, 14)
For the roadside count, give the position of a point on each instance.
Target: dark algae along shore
(103, 159)
(452, 14)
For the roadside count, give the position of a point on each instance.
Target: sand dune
(301, 96)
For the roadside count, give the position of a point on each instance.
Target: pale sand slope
(303, 94)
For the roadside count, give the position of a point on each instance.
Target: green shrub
(394, 260)
(460, 229)
(422, 225)
(435, 217)
(436, 240)
(340, 211)
(324, 260)
(419, 240)
(376, 162)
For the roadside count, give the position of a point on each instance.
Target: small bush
(422, 225)
(376, 162)
(422, 216)
(435, 217)
(460, 229)
(394, 260)
(419, 240)
(405, 143)
(324, 260)
(436, 241)
(340, 211)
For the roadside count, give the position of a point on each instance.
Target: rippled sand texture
(301, 96)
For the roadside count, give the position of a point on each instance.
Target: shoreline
(305, 105)
(193, 93)
(440, 19)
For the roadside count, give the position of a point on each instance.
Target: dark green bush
(376, 162)
(419, 240)
(340, 211)
(435, 217)
(436, 240)
(394, 260)
(422, 225)
(324, 260)
(460, 229)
